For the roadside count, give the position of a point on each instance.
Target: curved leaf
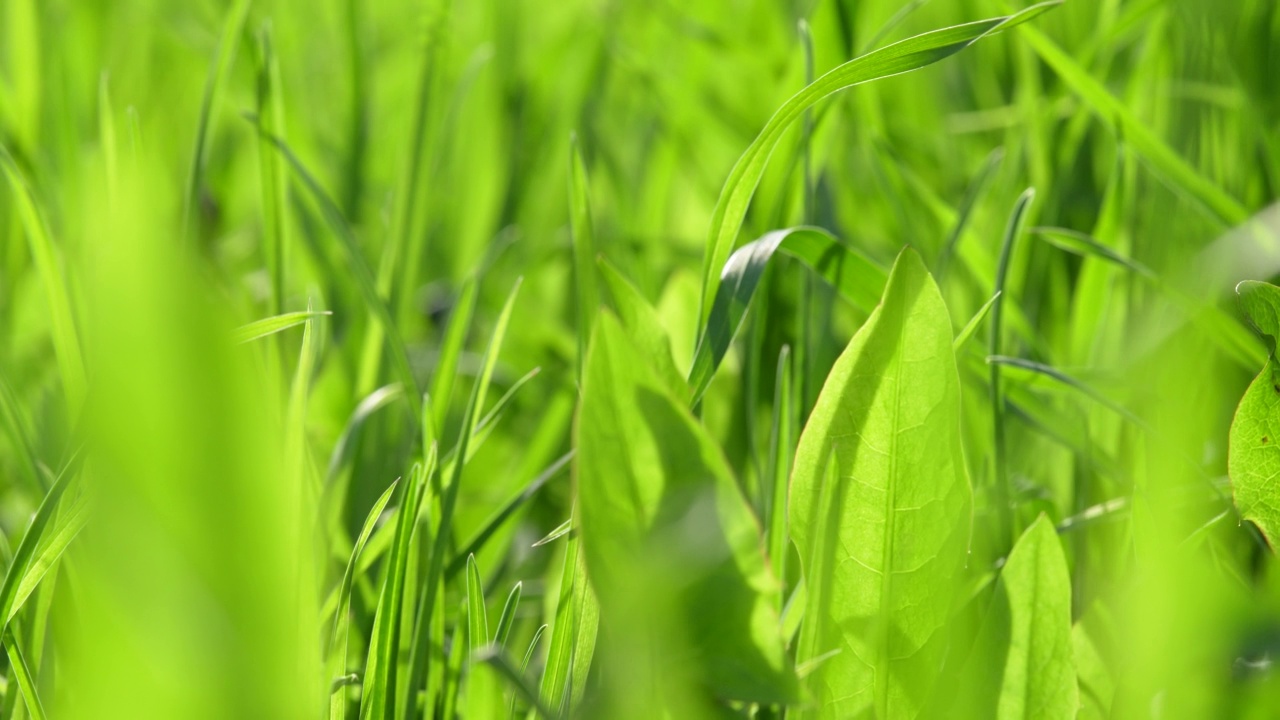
(900, 57)
(880, 506)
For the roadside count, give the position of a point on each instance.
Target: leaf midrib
(886, 577)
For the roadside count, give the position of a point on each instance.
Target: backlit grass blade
(26, 549)
(508, 617)
(219, 70)
(477, 616)
(558, 532)
(68, 527)
(66, 344)
(781, 447)
(269, 326)
(856, 278)
(1180, 175)
(496, 658)
(337, 665)
(374, 303)
(971, 327)
(900, 57)
(524, 665)
(555, 676)
(26, 682)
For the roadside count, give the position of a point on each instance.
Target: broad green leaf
(855, 276)
(1023, 664)
(880, 506)
(1253, 459)
(274, 324)
(900, 57)
(648, 475)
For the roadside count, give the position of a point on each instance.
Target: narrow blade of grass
(971, 327)
(31, 539)
(508, 617)
(66, 530)
(26, 682)
(447, 364)
(269, 326)
(275, 244)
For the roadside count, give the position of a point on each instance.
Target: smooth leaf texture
(1253, 460)
(658, 500)
(900, 57)
(882, 536)
(1023, 665)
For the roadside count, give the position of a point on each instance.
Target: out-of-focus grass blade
(380, 669)
(66, 345)
(31, 540)
(965, 210)
(107, 135)
(20, 436)
(219, 69)
(372, 403)
(359, 269)
(477, 616)
(972, 326)
(341, 621)
(275, 244)
(1003, 491)
(508, 616)
(900, 57)
(272, 325)
(26, 682)
(495, 657)
(447, 364)
(1085, 245)
(1168, 164)
(584, 248)
(856, 278)
(1056, 374)
(500, 517)
(69, 525)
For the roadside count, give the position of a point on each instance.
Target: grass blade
(275, 244)
(508, 616)
(971, 327)
(26, 683)
(66, 530)
(447, 365)
(269, 326)
(31, 539)
(477, 617)
(900, 57)
(496, 658)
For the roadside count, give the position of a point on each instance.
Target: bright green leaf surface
(882, 536)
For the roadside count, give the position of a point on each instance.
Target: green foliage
(880, 503)
(675, 443)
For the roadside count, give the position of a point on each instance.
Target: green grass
(617, 359)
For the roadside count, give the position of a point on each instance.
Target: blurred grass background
(145, 217)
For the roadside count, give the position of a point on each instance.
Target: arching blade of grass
(66, 344)
(447, 363)
(856, 278)
(68, 527)
(1085, 245)
(337, 665)
(900, 57)
(269, 326)
(496, 658)
(971, 327)
(224, 57)
(26, 682)
(275, 244)
(584, 248)
(374, 303)
(1180, 175)
(524, 665)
